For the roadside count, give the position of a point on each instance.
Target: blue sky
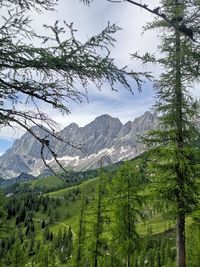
(90, 21)
(4, 145)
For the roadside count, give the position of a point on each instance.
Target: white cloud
(10, 134)
(90, 21)
(120, 104)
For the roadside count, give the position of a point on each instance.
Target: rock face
(104, 140)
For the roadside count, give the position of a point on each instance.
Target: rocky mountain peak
(105, 120)
(72, 126)
(105, 137)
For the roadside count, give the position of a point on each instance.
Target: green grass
(73, 207)
(86, 185)
(47, 182)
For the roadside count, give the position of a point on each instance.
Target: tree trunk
(129, 225)
(181, 255)
(99, 221)
(180, 242)
(80, 234)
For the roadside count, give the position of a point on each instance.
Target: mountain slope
(104, 140)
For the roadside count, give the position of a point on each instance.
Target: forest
(107, 220)
(144, 212)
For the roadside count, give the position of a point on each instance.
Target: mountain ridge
(105, 137)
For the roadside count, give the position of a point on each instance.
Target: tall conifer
(174, 165)
(127, 210)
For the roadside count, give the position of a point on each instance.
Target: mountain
(104, 140)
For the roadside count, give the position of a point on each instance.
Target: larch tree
(99, 218)
(48, 69)
(127, 211)
(174, 167)
(175, 164)
(81, 231)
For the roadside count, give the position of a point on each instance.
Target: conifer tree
(2, 209)
(175, 158)
(81, 231)
(69, 242)
(90, 245)
(174, 165)
(127, 211)
(98, 227)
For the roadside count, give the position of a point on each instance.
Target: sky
(5, 144)
(90, 21)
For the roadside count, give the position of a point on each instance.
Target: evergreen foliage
(109, 220)
(2, 210)
(100, 222)
(174, 167)
(127, 211)
(79, 256)
(59, 242)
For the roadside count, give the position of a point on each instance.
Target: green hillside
(47, 182)
(45, 227)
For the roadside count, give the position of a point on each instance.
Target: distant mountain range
(104, 140)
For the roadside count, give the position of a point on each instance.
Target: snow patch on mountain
(103, 141)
